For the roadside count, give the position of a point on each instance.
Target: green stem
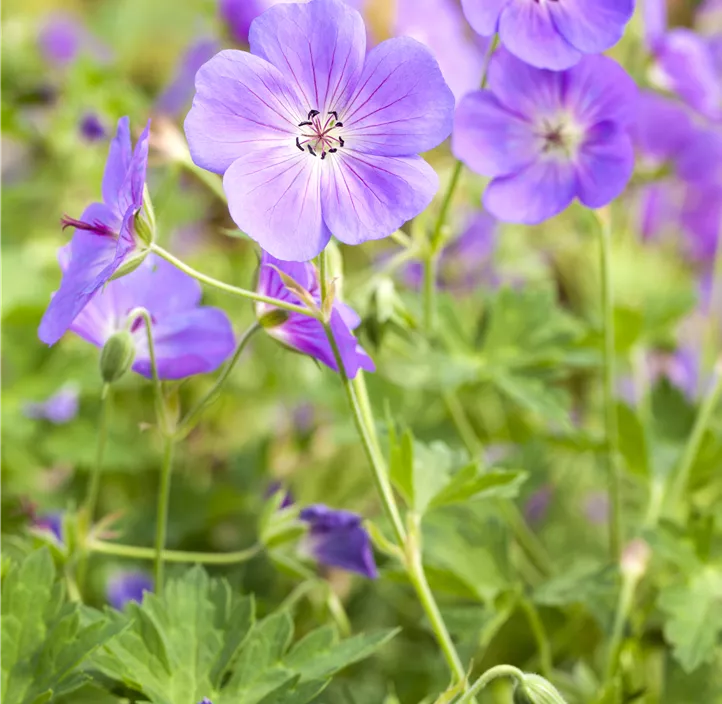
(323, 274)
(157, 386)
(431, 270)
(540, 636)
(205, 558)
(463, 425)
(161, 526)
(91, 500)
(610, 411)
(624, 607)
(678, 487)
(186, 424)
(488, 676)
(234, 290)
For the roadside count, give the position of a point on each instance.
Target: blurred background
(69, 71)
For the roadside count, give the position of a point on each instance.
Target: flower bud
(534, 689)
(635, 559)
(130, 264)
(117, 356)
(273, 318)
(144, 228)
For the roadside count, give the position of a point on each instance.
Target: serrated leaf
(536, 396)
(295, 692)
(471, 484)
(694, 617)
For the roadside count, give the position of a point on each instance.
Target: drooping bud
(534, 689)
(117, 356)
(130, 264)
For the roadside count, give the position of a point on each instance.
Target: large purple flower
(188, 338)
(551, 34)
(303, 333)
(105, 235)
(548, 137)
(315, 137)
(338, 539)
(125, 587)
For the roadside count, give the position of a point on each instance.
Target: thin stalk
(678, 485)
(624, 607)
(206, 558)
(463, 425)
(540, 636)
(161, 525)
(323, 274)
(91, 500)
(362, 395)
(610, 411)
(234, 290)
(431, 270)
(187, 422)
(487, 677)
(157, 386)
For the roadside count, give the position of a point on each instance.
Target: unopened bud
(130, 264)
(534, 689)
(117, 356)
(635, 559)
(144, 229)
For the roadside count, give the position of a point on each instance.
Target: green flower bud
(273, 318)
(117, 356)
(534, 689)
(130, 264)
(144, 230)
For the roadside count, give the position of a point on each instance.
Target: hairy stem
(161, 525)
(488, 676)
(205, 558)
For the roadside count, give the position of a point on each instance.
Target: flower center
(320, 135)
(96, 227)
(559, 138)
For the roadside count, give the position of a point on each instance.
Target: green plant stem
(431, 270)
(624, 607)
(610, 411)
(540, 636)
(91, 500)
(323, 274)
(161, 525)
(678, 486)
(487, 677)
(227, 288)
(463, 425)
(188, 421)
(205, 558)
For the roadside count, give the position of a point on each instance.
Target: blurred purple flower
(440, 25)
(338, 539)
(50, 522)
(58, 409)
(91, 127)
(552, 35)
(128, 586)
(681, 368)
(63, 37)
(104, 235)
(548, 137)
(205, 700)
(274, 488)
(177, 95)
(315, 137)
(596, 507)
(303, 333)
(188, 338)
(537, 505)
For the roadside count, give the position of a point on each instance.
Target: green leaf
(694, 617)
(632, 441)
(471, 484)
(535, 396)
(401, 464)
(44, 645)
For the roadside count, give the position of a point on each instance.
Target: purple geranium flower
(63, 38)
(440, 25)
(313, 136)
(303, 333)
(51, 523)
(91, 127)
(551, 34)
(548, 137)
(188, 338)
(338, 539)
(59, 408)
(128, 586)
(105, 234)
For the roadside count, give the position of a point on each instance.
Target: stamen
(340, 141)
(96, 227)
(303, 124)
(310, 149)
(339, 124)
(335, 115)
(312, 114)
(298, 143)
(323, 155)
(333, 150)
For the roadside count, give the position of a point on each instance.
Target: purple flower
(548, 137)
(681, 368)
(188, 338)
(303, 333)
(551, 34)
(63, 38)
(596, 507)
(315, 137)
(60, 408)
(91, 127)
(537, 504)
(177, 95)
(441, 26)
(274, 488)
(338, 539)
(128, 586)
(104, 236)
(205, 700)
(52, 523)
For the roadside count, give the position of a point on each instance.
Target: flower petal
(591, 26)
(533, 195)
(402, 105)
(605, 164)
(526, 29)
(274, 196)
(490, 139)
(661, 128)
(367, 197)
(195, 341)
(241, 103)
(160, 287)
(116, 167)
(319, 45)
(130, 196)
(483, 15)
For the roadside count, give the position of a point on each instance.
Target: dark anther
(312, 114)
(339, 124)
(310, 150)
(303, 124)
(298, 144)
(333, 150)
(335, 115)
(323, 155)
(340, 141)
